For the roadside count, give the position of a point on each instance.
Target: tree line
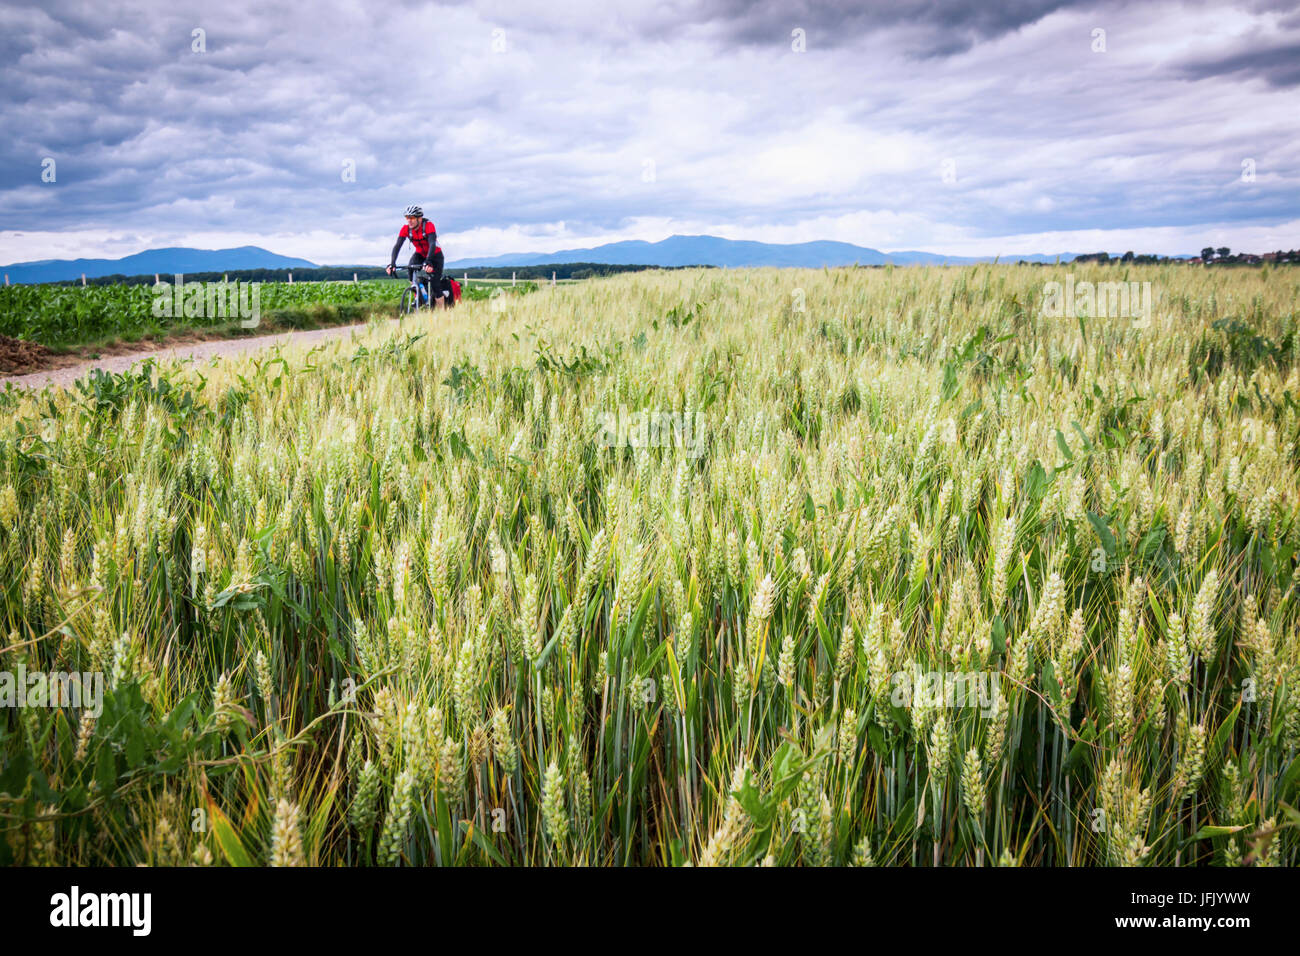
(562, 270)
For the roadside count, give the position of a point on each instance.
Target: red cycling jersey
(425, 235)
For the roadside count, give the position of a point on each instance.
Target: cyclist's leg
(436, 260)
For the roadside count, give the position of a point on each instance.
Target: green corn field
(755, 567)
(63, 316)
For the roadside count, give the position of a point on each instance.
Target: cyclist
(427, 253)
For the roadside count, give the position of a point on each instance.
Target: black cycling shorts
(418, 262)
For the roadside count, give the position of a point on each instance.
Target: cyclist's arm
(392, 260)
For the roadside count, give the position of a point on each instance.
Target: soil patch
(18, 356)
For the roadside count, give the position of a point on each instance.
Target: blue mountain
(162, 261)
(673, 251)
(736, 253)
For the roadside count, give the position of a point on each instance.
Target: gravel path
(197, 350)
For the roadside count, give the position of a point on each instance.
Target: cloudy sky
(970, 128)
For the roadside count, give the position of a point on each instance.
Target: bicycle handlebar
(399, 271)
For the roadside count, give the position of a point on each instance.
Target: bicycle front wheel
(408, 303)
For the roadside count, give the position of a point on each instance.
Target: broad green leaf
(227, 839)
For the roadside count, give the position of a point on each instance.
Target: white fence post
(552, 280)
(290, 278)
(83, 278)
(6, 278)
(354, 278)
(156, 280)
(512, 280)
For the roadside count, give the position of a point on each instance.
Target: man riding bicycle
(427, 254)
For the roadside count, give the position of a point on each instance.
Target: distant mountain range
(735, 253)
(673, 251)
(162, 261)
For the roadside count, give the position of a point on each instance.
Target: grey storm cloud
(1277, 65)
(938, 28)
(1272, 55)
(530, 118)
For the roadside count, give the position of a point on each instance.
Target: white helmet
(414, 211)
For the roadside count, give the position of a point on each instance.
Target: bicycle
(416, 295)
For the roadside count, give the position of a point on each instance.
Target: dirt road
(199, 351)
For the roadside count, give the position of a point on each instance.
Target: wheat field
(753, 567)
